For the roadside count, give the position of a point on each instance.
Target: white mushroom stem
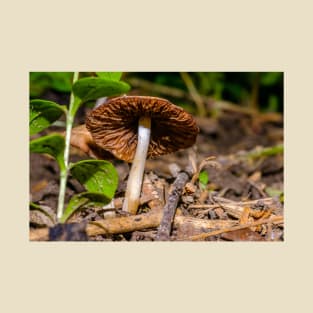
(135, 178)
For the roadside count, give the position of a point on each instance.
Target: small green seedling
(99, 177)
(203, 179)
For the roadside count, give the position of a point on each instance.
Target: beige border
(163, 35)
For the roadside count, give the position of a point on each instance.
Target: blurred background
(261, 91)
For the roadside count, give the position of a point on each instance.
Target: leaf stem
(64, 170)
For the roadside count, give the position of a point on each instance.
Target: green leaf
(52, 144)
(61, 81)
(110, 75)
(42, 114)
(203, 179)
(39, 82)
(96, 176)
(84, 199)
(91, 88)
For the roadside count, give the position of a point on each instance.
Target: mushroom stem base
(134, 182)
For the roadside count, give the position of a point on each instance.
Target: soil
(245, 186)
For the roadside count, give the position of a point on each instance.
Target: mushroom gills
(134, 183)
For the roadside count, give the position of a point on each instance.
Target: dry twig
(169, 211)
(119, 225)
(274, 220)
(233, 208)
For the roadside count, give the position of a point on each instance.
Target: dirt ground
(242, 200)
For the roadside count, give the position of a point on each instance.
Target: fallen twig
(274, 220)
(124, 224)
(169, 210)
(224, 201)
(149, 220)
(233, 208)
(119, 225)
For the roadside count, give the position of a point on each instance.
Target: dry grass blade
(225, 201)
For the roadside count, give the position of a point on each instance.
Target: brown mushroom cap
(114, 126)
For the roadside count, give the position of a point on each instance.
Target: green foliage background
(264, 89)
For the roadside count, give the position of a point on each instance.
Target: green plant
(264, 90)
(203, 179)
(39, 82)
(99, 177)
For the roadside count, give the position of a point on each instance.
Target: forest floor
(241, 199)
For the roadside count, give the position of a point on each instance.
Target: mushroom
(133, 128)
